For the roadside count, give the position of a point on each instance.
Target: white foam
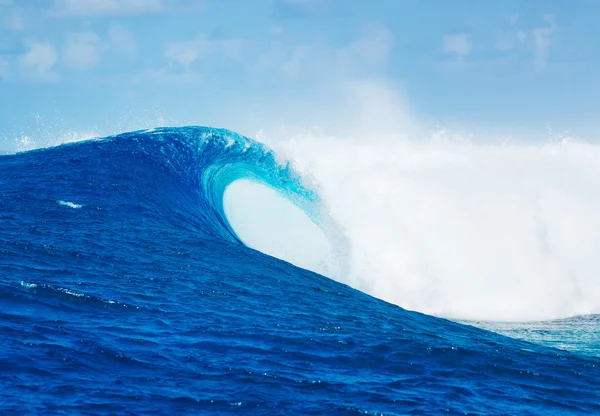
(461, 229)
(26, 285)
(69, 204)
(71, 292)
(26, 143)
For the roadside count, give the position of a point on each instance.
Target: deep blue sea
(124, 290)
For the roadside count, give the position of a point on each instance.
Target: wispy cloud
(39, 61)
(510, 36)
(91, 8)
(160, 76)
(367, 53)
(459, 44)
(186, 53)
(542, 37)
(82, 50)
(108, 8)
(372, 49)
(300, 8)
(122, 40)
(292, 67)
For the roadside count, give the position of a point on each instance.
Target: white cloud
(82, 51)
(373, 49)
(39, 60)
(188, 52)
(510, 37)
(458, 44)
(366, 53)
(122, 40)
(542, 38)
(102, 8)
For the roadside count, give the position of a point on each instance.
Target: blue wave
(123, 289)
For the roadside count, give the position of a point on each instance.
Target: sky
(99, 67)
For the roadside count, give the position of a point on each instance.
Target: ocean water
(128, 286)
(580, 334)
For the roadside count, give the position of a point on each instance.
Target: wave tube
(261, 201)
(267, 221)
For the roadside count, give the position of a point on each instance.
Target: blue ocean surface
(124, 290)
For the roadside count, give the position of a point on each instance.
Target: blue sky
(104, 66)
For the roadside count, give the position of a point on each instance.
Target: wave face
(124, 289)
